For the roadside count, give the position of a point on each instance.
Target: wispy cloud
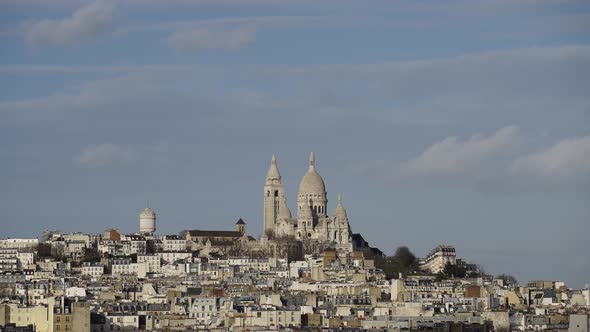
(105, 154)
(86, 23)
(450, 158)
(194, 40)
(499, 163)
(455, 156)
(565, 162)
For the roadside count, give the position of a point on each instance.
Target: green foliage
(455, 271)
(403, 261)
(91, 255)
(44, 250)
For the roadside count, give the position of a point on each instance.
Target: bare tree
(236, 249)
(508, 279)
(281, 245)
(270, 234)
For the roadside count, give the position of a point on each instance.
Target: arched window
(268, 193)
(276, 193)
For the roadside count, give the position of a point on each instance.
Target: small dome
(339, 211)
(312, 182)
(147, 213)
(284, 212)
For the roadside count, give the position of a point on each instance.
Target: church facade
(312, 220)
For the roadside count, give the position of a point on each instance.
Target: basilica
(312, 220)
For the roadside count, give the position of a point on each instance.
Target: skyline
(464, 123)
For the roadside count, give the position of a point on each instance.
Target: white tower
(147, 221)
(273, 194)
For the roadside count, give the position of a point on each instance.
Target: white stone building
(173, 243)
(19, 243)
(312, 219)
(174, 256)
(439, 257)
(152, 262)
(92, 270)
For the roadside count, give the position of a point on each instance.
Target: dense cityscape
(157, 173)
(310, 272)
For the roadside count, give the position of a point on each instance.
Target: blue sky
(459, 122)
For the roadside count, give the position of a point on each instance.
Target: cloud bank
(567, 162)
(86, 23)
(453, 156)
(499, 162)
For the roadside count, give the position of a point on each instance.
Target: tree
(403, 261)
(508, 279)
(91, 255)
(405, 257)
(313, 246)
(270, 234)
(236, 249)
(454, 271)
(44, 250)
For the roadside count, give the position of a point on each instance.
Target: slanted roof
(240, 222)
(228, 234)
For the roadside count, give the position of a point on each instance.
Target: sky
(456, 122)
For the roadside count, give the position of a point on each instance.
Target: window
(259, 314)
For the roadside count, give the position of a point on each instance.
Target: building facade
(312, 220)
(439, 257)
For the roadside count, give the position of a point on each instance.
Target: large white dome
(312, 182)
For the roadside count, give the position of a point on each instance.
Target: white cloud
(204, 38)
(567, 160)
(453, 156)
(86, 23)
(105, 155)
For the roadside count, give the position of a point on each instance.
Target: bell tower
(273, 192)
